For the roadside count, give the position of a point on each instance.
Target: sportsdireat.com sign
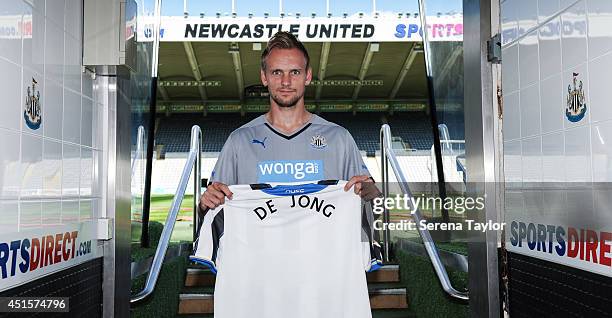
(584, 248)
(444, 28)
(28, 255)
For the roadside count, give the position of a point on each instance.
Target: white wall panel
(54, 52)
(530, 110)
(51, 213)
(10, 215)
(509, 23)
(510, 69)
(573, 36)
(30, 214)
(512, 161)
(71, 170)
(10, 83)
(31, 161)
(72, 117)
(34, 46)
(10, 164)
(10, 46)
(87, 85)
(600, 78)
(37, 5)
(531, 159)
(546, 9)
(553, 151)
(86, 178)
(52, 168)
(72, 63)
(599, 32)
(43, 176)
(549, 48)
(565, 4)
(85, 210)
(74, 19)
(578, 155)
(70, 211)
(528, 60)
(512, 116)
(601, 138)
(86, 119)
(527, 15)
(53, 110)
(55, 12)
(552, 104)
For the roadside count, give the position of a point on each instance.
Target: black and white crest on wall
(576, 104)
(32, 112)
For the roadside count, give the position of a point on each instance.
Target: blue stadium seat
(414, 128)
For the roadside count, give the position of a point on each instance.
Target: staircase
(387, 297)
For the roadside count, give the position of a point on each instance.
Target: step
(380, 298)
(389, 273)
(204, 277)
(388, 298)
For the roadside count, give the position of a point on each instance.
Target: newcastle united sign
(228, 29)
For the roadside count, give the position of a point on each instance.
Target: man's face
(286, 76)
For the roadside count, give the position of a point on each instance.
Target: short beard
(292, 102)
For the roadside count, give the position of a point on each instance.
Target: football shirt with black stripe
(288, 251)
(258, 153)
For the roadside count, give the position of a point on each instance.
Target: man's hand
(214, 196)
(363, 186)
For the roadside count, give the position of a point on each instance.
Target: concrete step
(389, 273)
(380, 298)
(204, 277)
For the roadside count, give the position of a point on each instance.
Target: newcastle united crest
(576, 105)
(32, 112)
(318, 142)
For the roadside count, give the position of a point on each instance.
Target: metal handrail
(432, 153)
(388, 157)
(139, 147)
(193, 163)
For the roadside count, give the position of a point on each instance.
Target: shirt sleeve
(354, 165)
(207, 245)
(225, 168)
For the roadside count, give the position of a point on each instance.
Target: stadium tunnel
(103, 162)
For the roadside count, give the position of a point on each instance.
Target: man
(287, 144)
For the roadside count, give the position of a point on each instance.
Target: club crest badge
(32, 112)
(576, 105)
(318, 142)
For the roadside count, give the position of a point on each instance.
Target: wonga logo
(289, 170)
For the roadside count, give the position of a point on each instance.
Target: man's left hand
(363, 186)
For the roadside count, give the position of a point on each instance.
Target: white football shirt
(288, 251)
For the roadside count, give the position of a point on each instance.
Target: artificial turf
(425, 295)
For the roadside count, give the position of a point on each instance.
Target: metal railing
(447, 150)
(388, 157)
(192, 165)
(138, 154)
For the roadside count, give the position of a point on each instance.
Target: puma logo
(261, 142)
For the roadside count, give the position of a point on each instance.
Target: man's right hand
(214, 196)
